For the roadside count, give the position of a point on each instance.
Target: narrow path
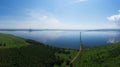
(75, 56)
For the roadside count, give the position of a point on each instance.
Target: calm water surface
(70, 39)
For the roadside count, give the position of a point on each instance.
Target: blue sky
(60, 14)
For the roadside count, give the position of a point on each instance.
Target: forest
(19, 52)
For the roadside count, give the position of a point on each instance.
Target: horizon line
(56, 29)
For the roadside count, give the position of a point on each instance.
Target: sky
(60, 14)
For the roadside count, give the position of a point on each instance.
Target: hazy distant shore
(59, 29)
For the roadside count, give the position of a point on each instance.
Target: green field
(10, 41)
(104, 56)
(19, 52)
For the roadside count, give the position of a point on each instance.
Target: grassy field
(104, 56)
(10, 41)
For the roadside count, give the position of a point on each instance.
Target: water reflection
(70, 39)
(115, 38)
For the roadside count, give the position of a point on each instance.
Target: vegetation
(67, 56)
(10, 41)
(104, 56)
(20, 52)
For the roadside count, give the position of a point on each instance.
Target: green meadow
(10, 41)
(104, 56)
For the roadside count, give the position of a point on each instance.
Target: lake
(70, 39)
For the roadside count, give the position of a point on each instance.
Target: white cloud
(39, 19)
(36, 20)
(48, 21)
(44, 20)
(115, 18)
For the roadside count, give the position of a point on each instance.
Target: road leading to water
(78, 54)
